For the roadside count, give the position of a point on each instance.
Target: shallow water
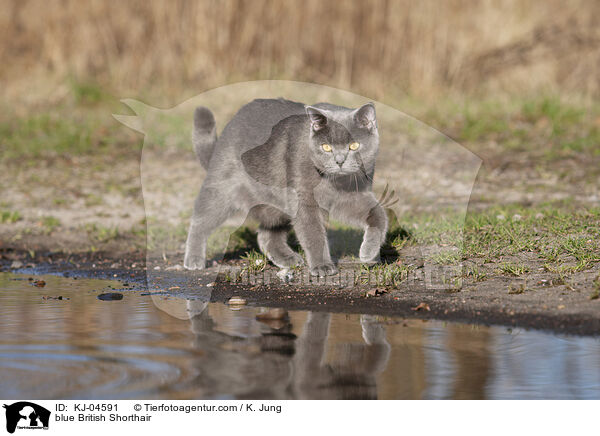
(175, 348)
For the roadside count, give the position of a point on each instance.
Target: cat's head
(343, 141)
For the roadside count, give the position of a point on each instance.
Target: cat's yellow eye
(326, 147)
(354, 146)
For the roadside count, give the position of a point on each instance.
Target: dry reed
(372, 47)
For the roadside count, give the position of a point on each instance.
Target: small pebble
(110, 296)
(16, 264)
(285, 275)
(236, 301)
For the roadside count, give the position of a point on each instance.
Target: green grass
(446, 257)
(386, 275)
(101, 234)
(255, 262)
(87, 93)
(49, 224)
(9, 216)
(517, 289)
(551, 127)
(66, 132)
(93, 200)
(560, 236)
(513, 269)
(475, 273)
(38, 134)
(563, 269)
(475, 126)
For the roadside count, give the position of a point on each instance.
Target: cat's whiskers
(364, 176)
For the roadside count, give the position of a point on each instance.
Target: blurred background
(385, 49)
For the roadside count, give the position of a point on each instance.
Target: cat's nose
(340, 158)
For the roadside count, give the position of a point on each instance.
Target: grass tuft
(255, 262)
(49, 224)
(8, 216)
(513, 269)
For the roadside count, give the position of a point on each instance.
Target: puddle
(168, 347)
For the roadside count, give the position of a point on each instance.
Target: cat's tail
(204, 136)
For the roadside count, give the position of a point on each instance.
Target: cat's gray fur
(269, 163)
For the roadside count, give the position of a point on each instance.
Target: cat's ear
(364, 116)
(318, 120)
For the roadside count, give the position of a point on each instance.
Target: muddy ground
(549, 306)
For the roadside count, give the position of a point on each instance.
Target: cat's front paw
(369, 249)
(193, 262)
(324, 270)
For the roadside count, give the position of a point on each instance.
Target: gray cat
(289, 165)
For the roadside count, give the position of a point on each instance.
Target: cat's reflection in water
(242, 357)
(352, 375)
